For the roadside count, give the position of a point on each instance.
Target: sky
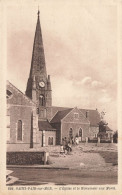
(80, 44)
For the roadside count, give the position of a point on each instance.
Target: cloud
(103, 91)
(105, 99)
(86, 80)
(96, 84)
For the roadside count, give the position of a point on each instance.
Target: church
(32, 120)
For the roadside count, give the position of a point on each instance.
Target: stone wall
(22, 113)
(57, 126)
(65, 127)
(47, 135)
(25, 158)
(76, 116)
(21, 108)
(93, 131)
(50, 134)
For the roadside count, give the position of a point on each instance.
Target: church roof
(18, 91)
(55, 109)
(45, 125)
(60, 115)
(94, 116)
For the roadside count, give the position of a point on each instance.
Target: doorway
(80, 134)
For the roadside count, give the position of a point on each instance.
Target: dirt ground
(88, 164)
(102, 157)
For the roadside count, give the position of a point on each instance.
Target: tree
(102, 126)
(115, 137)
(102, 129)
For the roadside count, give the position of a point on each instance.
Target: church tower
(39, 84)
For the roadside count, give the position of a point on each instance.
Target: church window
(95, 135)
(19, 130)
(70, 132)
(76, 115)
(41, 100)
(80, 132)
(50, 140)
(8, 94)
(37, 110)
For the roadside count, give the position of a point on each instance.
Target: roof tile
(94, 116)
(45, 125)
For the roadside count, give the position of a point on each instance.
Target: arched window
(70, 132)
(37, 110)
(19, 130)
(41, 100)
(80, 132)
(8, 94)
(50, 141)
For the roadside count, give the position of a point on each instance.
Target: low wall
(101, 141)
(92, 140)
(106, 145)
(105, 141)
(25, 158)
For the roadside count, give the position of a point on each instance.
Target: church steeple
(38, 65)
(38, 13)
(39, 85)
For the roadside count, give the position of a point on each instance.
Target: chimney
(87, 114)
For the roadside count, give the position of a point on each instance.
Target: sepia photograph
(61, 95)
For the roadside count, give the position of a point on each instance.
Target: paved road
(31, 176)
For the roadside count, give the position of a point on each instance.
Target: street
(33, 176)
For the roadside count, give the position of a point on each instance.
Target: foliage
(102, 126)
(115, 137)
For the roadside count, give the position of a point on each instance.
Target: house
(75, 122)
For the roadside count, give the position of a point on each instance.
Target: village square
(56, 145)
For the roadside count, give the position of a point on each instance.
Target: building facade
(32, 121)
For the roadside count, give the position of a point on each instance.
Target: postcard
(61, 97)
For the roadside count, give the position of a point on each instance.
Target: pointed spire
(38, 65)
(38, 13)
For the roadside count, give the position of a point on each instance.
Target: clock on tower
(41, 84)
